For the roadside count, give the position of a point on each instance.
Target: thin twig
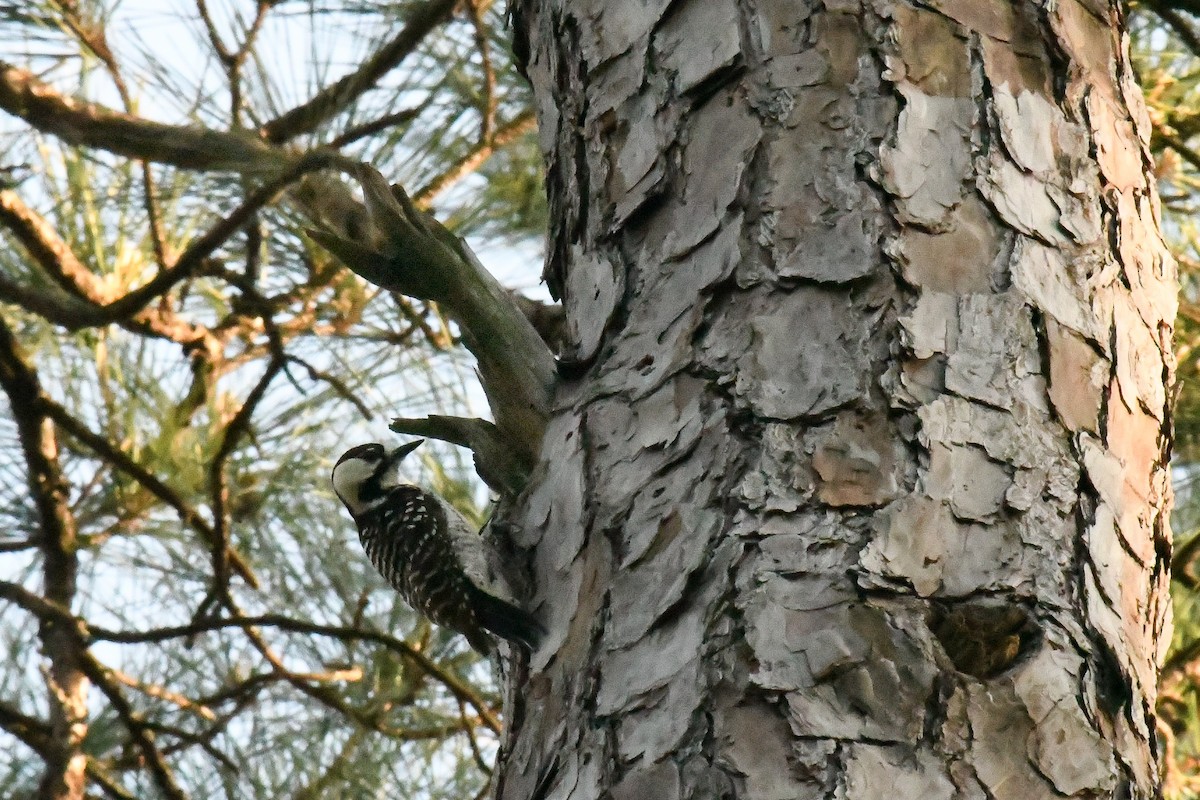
(353, 134)
(333, 99)
(163, 693)
(102, 447)
(487, 123)
(100, 774)
(468, 728)
(465, 166)
(457, 687)
(1183, 28)
(336, 383)
(234, 431)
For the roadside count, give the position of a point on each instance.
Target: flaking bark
(863, 490)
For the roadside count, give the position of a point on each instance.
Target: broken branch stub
(502, 468)
(406, 250)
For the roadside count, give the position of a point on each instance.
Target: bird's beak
(400, 452)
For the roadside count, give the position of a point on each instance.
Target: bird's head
(364, 474)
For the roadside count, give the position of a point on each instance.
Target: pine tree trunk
(858, 484)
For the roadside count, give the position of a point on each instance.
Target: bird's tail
(506, 620)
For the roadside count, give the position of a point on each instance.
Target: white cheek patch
(348, 478)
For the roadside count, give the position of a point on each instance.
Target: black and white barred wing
(492, 597)
(435, 559)
(476, 556)
(406, 540)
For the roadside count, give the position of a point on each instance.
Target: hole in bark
(984, 638)
(1112, 687)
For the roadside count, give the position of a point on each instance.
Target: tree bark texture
(860, 489)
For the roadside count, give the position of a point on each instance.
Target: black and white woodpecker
(426, 550)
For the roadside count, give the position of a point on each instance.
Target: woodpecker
(426, 550)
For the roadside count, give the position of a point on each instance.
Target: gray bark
(862, 489)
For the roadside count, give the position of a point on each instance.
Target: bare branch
(501, 468)
(163, 693)
(40, 607)
(33, 732)
(337, 384)
(93, 125)
(456, 686)
(233, 433)
(46, 247)
(234, 59)
(408, 251)
(353, 134)
(58, 261)
(100, 774)
(488, 112)
(16, 545)
(143, 738)
(1183, 27)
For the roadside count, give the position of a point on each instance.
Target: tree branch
(93, 125)
(233, 433)
(132, 720)
(520, 125)
(57, 540)
(406, 250)
(495, 461)
(56, 258)
(461, 690)
(100, 774)
(33, 732)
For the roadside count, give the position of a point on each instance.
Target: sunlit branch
(163, 693)
(56, 258)
(66, 687)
